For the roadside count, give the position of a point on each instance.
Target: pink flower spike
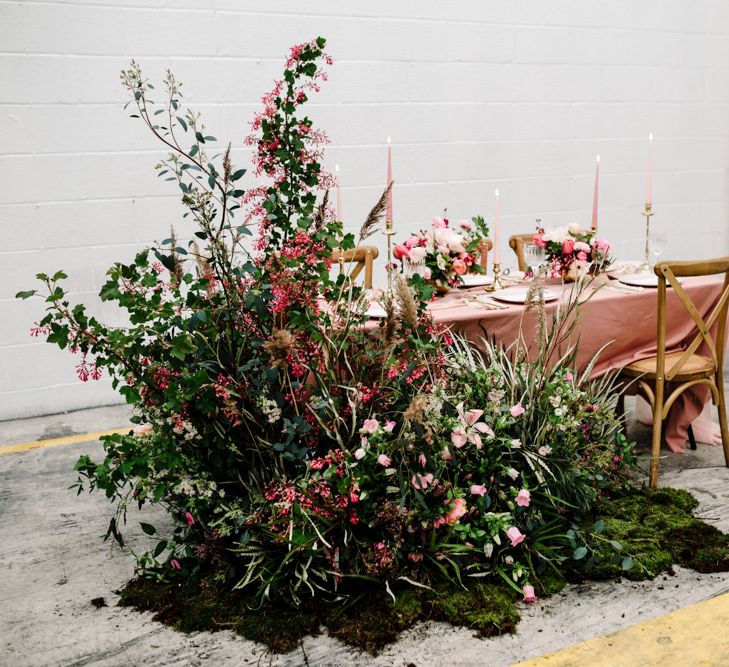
(190, 519)
(458, 437)
(515, 535)
(478, 489)
(384, 460)
(389, 426)
(175, 564)
(517, 410)
(523, 498)
(529, 595)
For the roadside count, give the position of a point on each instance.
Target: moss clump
(658, 529)
(369, 622)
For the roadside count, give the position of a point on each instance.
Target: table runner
(627, 321)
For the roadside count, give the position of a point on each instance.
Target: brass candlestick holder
(645, 267)
(497, 284)
(340, 259)
(389, 232)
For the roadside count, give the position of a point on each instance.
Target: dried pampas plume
(279, 345)
(406, 302)
(321, 212)
(373, 218)
(203, 265)
(176, 271)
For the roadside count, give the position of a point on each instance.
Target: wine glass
(533, 257)
(658, 244)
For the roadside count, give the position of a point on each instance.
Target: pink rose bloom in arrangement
(459, 266)
(458, 509)
(439, 223)
(400, 251)
(582, 256)
(568, 246)
(389, 426)
(190, 519)
(412, 242)
(523, 498)
(467, 225)
(370, 425)
(459, 437)
(529, 595)
(517, 410)
(478, 489)
(422, 481)
(515, 535)
(426, 273)
(384, 460)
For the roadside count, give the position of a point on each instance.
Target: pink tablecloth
(627, 321)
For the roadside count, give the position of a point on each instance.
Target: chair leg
(657, 433)
(692, 438)
(721, 406)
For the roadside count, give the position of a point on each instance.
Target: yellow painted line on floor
(55, 442)
(695, 635)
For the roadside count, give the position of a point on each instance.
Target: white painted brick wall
(517, 95)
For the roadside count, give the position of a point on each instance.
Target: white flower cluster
(270, 409)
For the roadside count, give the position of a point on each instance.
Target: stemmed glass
(658, 244)
(534, 258)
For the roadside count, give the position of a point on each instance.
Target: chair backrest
(517, 243)
(363, 257)
(710, 332)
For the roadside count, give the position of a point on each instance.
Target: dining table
(618, 321)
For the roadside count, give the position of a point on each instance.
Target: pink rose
(384, 460)
(478, 490)
(467, 225)
(389, 426)
(190, 519)
(143, 429)
(515, 535)
(568, 247)
(370, 425)
(401, 251)
(459, 266)
(539, 241)
(459, 437)
(439, 223)
(458, 509)
(426, 273)
(529, 595)
(422, 481)
(523, 498)
(517, 410)
(412, 242)
(581, 256)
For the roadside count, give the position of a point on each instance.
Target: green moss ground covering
(656, 528)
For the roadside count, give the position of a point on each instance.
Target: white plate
(519, 295)
(476, 280)
(642, 280)
(515, 275)
(376, 311)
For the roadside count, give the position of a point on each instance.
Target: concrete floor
(53, 563)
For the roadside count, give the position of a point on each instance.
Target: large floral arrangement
(572, 252)
(298, 454)
(443, 254)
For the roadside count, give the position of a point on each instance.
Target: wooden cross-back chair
(700, 362)
(517, 243)
(363, 257)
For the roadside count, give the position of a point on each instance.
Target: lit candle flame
(389, 140)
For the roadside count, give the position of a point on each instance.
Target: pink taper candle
(388, 213)
(649, 186)
(497, 234)
(340, 210)
(594, 197)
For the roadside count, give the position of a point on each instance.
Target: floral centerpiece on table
(443, 254)
(572, 252)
